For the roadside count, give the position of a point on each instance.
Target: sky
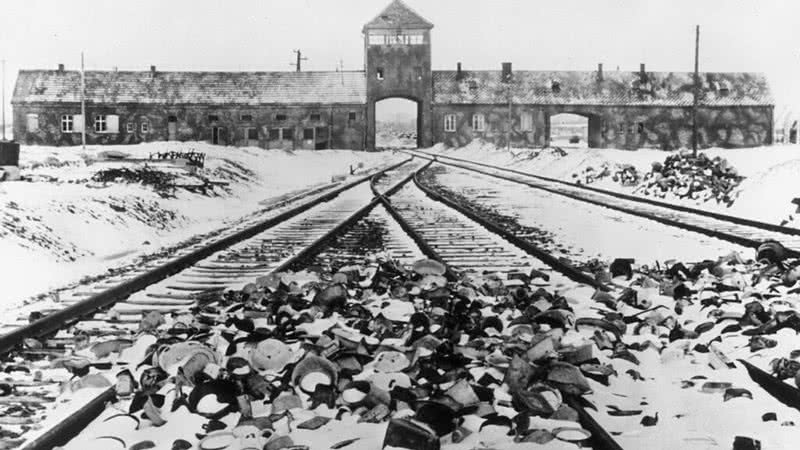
(736, 35)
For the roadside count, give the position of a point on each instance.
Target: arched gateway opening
(574, 130)
(569, 130)
(397, 123)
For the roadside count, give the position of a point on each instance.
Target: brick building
(316, 110)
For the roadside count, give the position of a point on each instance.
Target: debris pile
(700, 178)
(624, 174)
(378, 355)
(160, 180)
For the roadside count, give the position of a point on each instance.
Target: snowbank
(61, 225)
(764, 195)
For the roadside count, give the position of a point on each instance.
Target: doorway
(217, 135)
(172, 128)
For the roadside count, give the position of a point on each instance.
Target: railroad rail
(741, 231)
(335, 229)
(392, 213)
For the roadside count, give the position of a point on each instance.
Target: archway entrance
(397, 123)
(569, 130)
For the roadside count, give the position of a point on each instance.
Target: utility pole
(508, 130)
(3, 104)
(696, 89)
(299, 58)
(83, 106)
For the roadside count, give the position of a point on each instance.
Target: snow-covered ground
(60, 225)
(765, 194)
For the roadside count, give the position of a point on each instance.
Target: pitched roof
(250, 88)
(398, 15)
(617, 88)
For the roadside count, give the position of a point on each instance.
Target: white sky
(736, 35)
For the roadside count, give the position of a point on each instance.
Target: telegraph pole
(299, 59)
(83, 106)
(696, 89)
(3, 104)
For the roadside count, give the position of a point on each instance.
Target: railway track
(388, 215)
(733, 229)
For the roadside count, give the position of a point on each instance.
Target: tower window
(379, 73)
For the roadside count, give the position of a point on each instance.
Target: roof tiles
(583, 88)
(252, 88)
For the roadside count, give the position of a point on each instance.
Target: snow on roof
(398, 15)
(251, 88)
(583, 88)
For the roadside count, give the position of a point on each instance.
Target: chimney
(600, 72)
(60, 67)
(459, 74)
(642, 74)
(152, 71)
(507, 72)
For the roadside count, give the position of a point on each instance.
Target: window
(286, 134)
(478, 122)
(213, 117)
(252, 134)
(418, 72)
(396, 39)
(352, 115)
(67, 124)
(376, 39)
(315, 117)
(555, 86)
(145, 127)
(450, 123)
(308, 133)
(280, 117)
(246, 117)
(100, 124)
(129, 127)
(640, 129)
(33, 122)
(379, 73)
(112, 123)
(622, 128)
(274, 134)
(172, 119)
(526, 122)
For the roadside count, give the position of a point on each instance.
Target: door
(215, 135)
(172, 128)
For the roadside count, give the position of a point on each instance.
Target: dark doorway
(172, 128)
(396, 123)
(217, 135)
